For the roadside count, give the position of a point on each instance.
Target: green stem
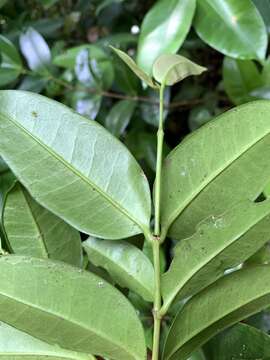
(156, 238)
(157, 300)
(160, 137)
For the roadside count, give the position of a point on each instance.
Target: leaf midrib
(197, 332)
(74, 171)
(42, 236)
(59, 316)
(175, 214)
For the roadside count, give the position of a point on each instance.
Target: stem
(157, 300)
(156, 239)
(160, 137)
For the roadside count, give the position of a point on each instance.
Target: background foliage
(61, 49)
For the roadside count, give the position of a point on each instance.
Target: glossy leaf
(87, 104)
(239, 342)
(135, 68)
(198, 182)
(119, 116)
(15, 344)
(35, 50)
(32, 230)
(10, 62)
(171, 69)
(226, 302)
(220, 243)
(126, 264)
(235, 28)
(240, 77)
(264, 9)
(74, 167)
(95, 55)
(83, 71)
(75, 305)
(163, 31)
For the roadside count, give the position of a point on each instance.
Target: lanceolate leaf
(215, 167)
(239, 342)
(174, 68)
(135, 68)
(73, 166)
(226, 302)
(72, 308)
(164, 29)
(126, 264)
(220, 243)
(33, 230)
(15, 344)
(234, 28)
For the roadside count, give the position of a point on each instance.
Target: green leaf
(7, 180)
(226, 302)
(235, 28)
(32, 230)
(262, 256)
(197, 355)
(106, 3)
(35, 50)
(135, 68)
(198, 182)
(10, 62)
(239, 342)
(171, 69)
(201, 259)
(48, 3)
(240, 78)
(163, 31)
(74, 167)
(86, 104)
(264, 9)
(15, 344)
(96, 55)
(81, 311)
(119, 116)
(126, 264)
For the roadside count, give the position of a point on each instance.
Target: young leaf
(10, 62)
(164, 29)
(35, 50)
(15, 344)
(119, 116)
(81, 311)
(32, 230)
(135, 68)
(239, 342)
(220, 243)
(171, 69)
(126, 264)
(240, 78)
(234, 28)
(198, 182)
(74, 167)
(226, 302)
